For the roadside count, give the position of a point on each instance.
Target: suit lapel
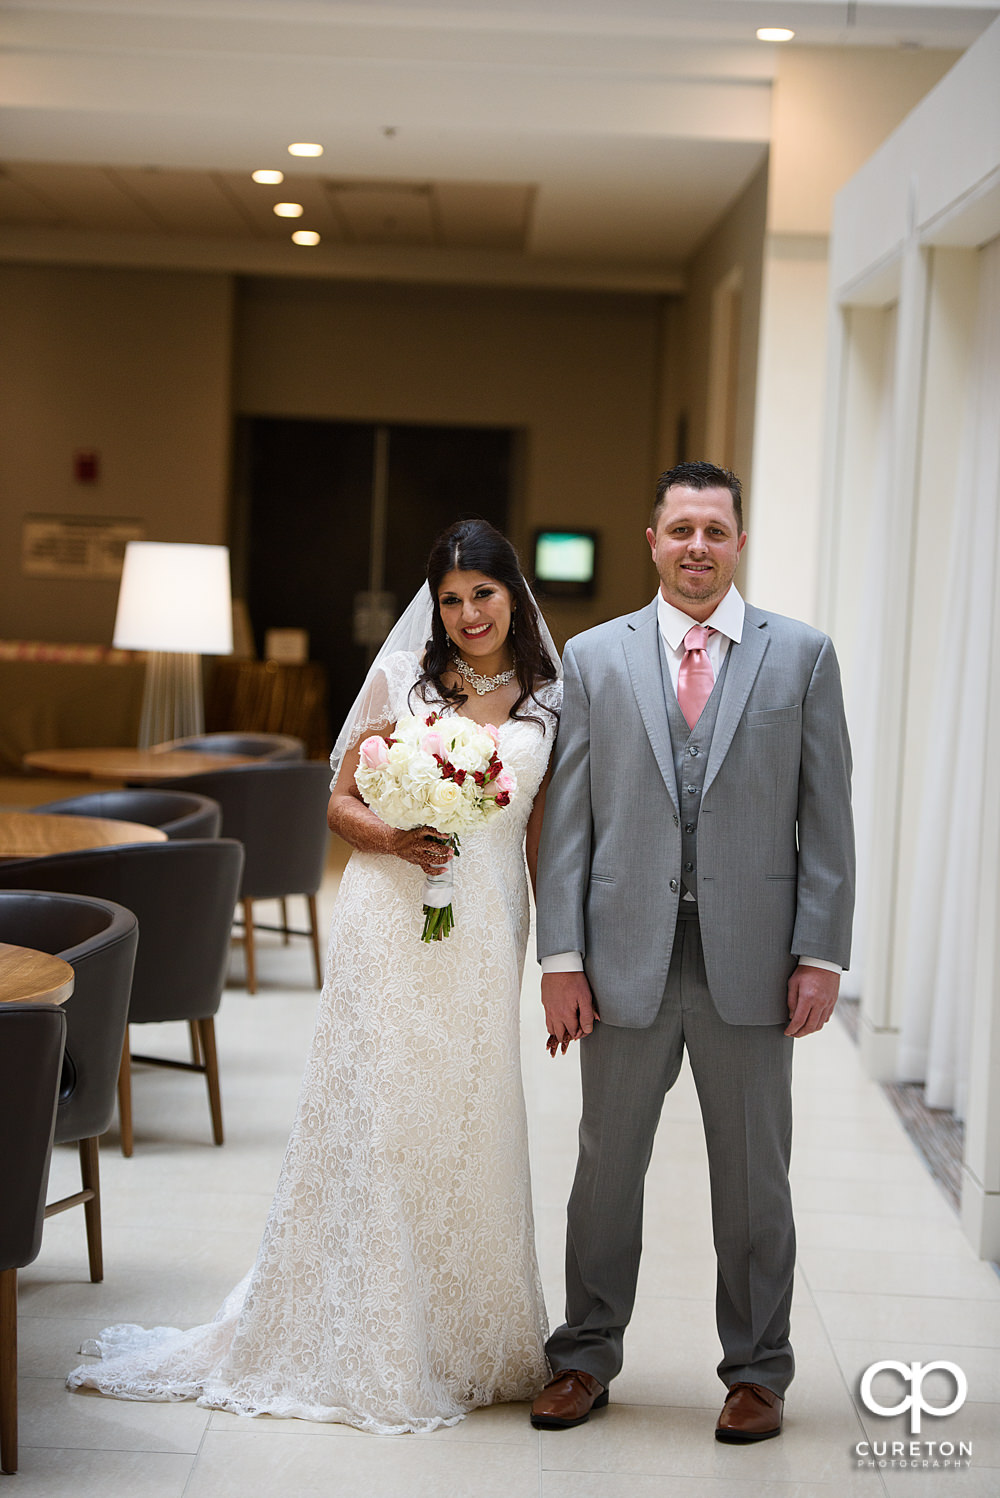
(642, 652)
(744, 663)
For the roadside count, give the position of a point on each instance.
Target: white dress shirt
(727, 621)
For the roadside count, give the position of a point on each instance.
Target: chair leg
(206, 1030)
(286, 934)
(314, 933)
(196, 1056)
(125, 1097)
(248, 946)
(8, 1370)
(90, 1175)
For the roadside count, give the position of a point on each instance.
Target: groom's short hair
(698, 476)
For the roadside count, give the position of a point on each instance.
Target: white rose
(446, 796)
(400, 754)
(446, 807)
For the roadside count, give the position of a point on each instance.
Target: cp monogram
(914, 1374)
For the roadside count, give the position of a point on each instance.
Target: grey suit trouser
(743, 1074)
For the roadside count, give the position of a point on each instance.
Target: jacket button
(673, 885)
(676, 819)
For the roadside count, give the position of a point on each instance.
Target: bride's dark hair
(476, 546)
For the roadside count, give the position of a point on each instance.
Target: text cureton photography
(889, 1402)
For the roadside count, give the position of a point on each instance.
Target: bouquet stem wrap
(438, 918)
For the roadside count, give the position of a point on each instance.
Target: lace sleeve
(549, 695)
(380, 703)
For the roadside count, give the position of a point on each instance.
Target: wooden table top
(30, 977)
(132, 764)
(29, 834)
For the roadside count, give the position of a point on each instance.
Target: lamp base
(172, 700)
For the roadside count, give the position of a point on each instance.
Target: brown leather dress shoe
(750, 1413)
(567, 1400)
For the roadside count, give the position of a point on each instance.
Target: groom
(695, 891)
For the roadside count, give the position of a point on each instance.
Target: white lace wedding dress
(395, 1287)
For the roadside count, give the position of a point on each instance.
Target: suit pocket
(602, 878)
(775, 716)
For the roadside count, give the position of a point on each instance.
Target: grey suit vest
(690, 748)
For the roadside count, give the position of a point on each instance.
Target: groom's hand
(812, 994)
(569, 1009)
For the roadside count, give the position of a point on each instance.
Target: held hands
(569, 1009)
(812, 994)
(422, 846)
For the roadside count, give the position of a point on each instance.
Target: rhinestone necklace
(481, 684)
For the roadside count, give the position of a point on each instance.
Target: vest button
(694, 751)
(673, 885)
(689, 868)
(689, 826)
(692, 790)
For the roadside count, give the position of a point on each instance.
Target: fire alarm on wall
(86, 465)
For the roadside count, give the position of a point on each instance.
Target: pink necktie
(695, 679)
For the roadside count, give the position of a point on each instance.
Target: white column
(879, 1028)
(981, 1166)
(783, 513)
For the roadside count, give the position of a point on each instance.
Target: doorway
(338, 519)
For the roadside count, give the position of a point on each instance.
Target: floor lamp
(175, 603)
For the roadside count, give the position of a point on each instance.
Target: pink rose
(374, 753)
(504, 783)
(432, 743)
(493, 733)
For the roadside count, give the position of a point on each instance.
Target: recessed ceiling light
(774, 34)
(305, 148)
(305, 236)
(271, 178)
(289, 210)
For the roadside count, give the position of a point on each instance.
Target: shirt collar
(727, 619)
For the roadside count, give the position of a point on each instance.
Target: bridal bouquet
(442, 773)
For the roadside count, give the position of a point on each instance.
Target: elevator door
(340, 511)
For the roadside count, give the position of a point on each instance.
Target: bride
(396, 1287)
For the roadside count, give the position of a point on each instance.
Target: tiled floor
(883, 1273)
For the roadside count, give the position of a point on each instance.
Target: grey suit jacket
(775, 837)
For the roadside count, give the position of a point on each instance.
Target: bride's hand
(424, 847)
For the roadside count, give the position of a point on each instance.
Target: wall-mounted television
(565, 563)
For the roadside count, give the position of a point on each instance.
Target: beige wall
(731, 253)
(832, 107)
(733, 248)
(135, 364)
(143, 367)
(577, 373)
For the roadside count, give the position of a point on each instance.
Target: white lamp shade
(175, 597)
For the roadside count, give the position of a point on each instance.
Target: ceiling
(569, 142)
